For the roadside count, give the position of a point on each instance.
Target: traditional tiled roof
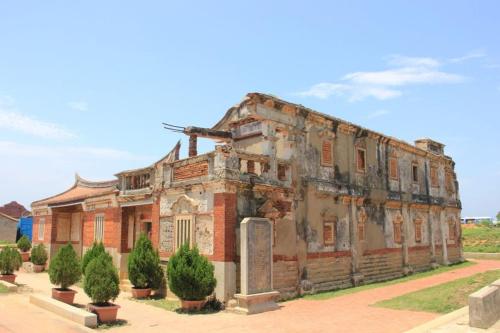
(81, 190)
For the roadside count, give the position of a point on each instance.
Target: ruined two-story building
(347, 204)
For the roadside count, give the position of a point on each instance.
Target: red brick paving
(348, 313)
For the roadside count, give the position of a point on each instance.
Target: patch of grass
(341, 292)
(159, 302)
(3, 289)
(481, 239)
(116, 323)
(443, 298)
(212, 306)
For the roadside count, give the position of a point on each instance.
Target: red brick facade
(225, 215)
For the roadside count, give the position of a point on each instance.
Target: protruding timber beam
(200, 132)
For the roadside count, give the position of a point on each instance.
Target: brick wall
(420, 257)
(112, 227)
(224, 227)
(286, 277)
(329, 272)
(453, 253)
(47, 229)
(189, 171)
(382, 264)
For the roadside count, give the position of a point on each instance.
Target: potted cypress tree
(10, 261)
(144, 270)
(101, 284)
(64, 270)
(24, 245)
(39, 258)
(191, 277)
(96, 250)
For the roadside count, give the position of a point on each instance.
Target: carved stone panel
(166, 235)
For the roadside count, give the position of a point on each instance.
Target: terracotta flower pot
(38, 268)
(105, 313)
(141, 293)
(67, 296)
(25, 256)
(8, 277)
(192, 305)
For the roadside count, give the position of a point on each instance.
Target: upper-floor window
(282, 168)
(434, 176)
(393, 168)
(414, 172)
(360, 159)
(326, 153)
(137, 181)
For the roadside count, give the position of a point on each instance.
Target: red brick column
(224, 227)
(155, 221)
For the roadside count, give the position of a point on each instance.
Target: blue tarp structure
(26, 226)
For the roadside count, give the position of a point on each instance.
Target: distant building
(8, 228)
(475, 219)
(14, 209)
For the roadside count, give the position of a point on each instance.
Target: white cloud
(471, 55)
(353, 93)
(399, 60)
(11, 119)
(10, 148)
(379, 84)
(377, 114)
(78, 106)
(403, 76)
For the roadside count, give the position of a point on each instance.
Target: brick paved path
(349, 313)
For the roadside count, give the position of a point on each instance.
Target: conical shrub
(64, 268)
(144, 270)
(95, 251)
(190, 275)
(101, 282)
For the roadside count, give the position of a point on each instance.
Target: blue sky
(84, 86)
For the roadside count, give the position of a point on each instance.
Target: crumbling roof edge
(249, 96)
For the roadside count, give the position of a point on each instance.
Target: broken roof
(260, 97)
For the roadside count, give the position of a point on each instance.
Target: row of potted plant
(11, 260)
(100, 279)
(190, 275)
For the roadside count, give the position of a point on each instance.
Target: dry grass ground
(481, 239)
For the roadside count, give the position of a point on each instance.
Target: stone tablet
(256, 256)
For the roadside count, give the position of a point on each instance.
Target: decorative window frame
(434, 175)
(324, 161)
(99, 218)
(398, 229)
(41, 228)
(395, 175)
(362, 217)
(180, 232)
(329, 226)
(418, 222)
(414, 172)
(358, 168)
